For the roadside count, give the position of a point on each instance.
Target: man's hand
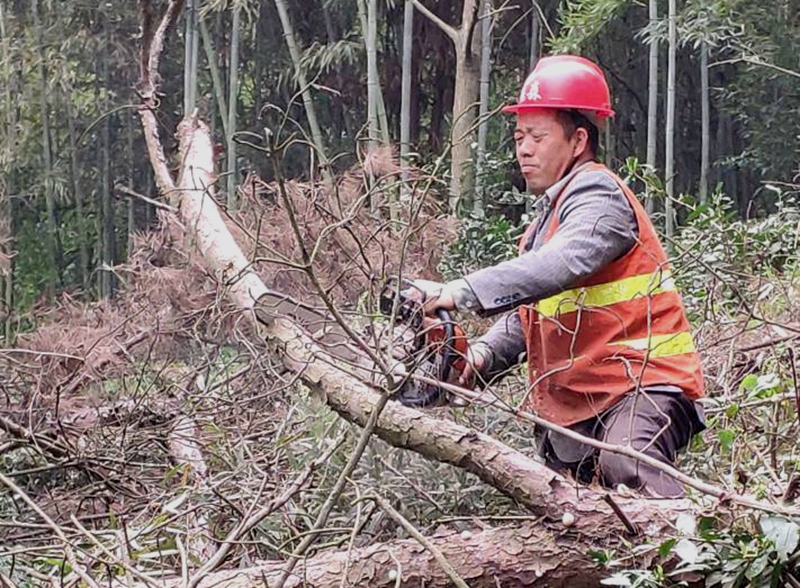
(434, 295)
(479, 358)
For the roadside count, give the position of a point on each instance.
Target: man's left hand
(434, 295)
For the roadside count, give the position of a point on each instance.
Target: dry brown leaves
(167, 300)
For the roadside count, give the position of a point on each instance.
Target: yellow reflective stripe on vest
(662, 345)
(607, 294)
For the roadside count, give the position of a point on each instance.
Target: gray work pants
(658, 423)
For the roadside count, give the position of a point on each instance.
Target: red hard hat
(566, 82)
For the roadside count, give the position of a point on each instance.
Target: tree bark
(369, 28)
(308, 101)
(108, 236)
(465, 99)
(131, 229)
(479, 204)
(233, 93)
(378, 124)
(216, 78)
(669, 151)
(405, 98)
(53, 240)
(6, 202)
(535, 36)
(191, 47)
(77, 196)
(528, 555)
(652, 101)
(704, 123)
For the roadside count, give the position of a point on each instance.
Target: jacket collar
(553, 191)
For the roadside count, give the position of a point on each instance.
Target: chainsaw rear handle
(446, 340)
(449, 343)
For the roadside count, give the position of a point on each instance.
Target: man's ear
(581, 137)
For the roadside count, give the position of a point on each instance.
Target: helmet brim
(517, 108)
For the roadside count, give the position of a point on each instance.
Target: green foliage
(716, 248)
(325, 58)
(480, 243)
(583, 21)
(759, 554)
(636, 579)
(759, 43)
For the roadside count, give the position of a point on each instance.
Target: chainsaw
(438, 351)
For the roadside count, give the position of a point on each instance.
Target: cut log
(521, 556)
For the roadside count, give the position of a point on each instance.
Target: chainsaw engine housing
(438, 347)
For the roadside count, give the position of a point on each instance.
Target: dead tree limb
(185, 451)
(521, 556)
(152, 47)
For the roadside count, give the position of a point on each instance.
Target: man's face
(544, 152)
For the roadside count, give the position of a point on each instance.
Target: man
(593, 305)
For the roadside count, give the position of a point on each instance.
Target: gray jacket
(596, 226)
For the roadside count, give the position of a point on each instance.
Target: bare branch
(67, 544)
(419, 537)
(133, 194)
(447, 29)
(247, 525)
(151, 54)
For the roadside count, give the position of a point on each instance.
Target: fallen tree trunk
(522, 556)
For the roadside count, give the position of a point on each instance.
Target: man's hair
(572, 120)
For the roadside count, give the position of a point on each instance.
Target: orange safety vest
(622, 328)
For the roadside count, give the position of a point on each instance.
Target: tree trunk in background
(465, 98)
(149, 208)
(53, 241)
(536, 37)
(405, 98)
(77, 196)
(131, 186)
(479, 203)
(108, 236)
(652, 103)
(233, 97)
(705, 122)
(191, 50)
(216, 78)
(608, 139)
(7, 192)
(326, 16)
(377, 123)
(383, 119)
(308, 102)
(366, 15)
(669, 151)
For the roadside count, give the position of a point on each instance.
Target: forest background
(373, 123)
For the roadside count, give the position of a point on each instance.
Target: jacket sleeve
(596, 226)
(506, 343)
